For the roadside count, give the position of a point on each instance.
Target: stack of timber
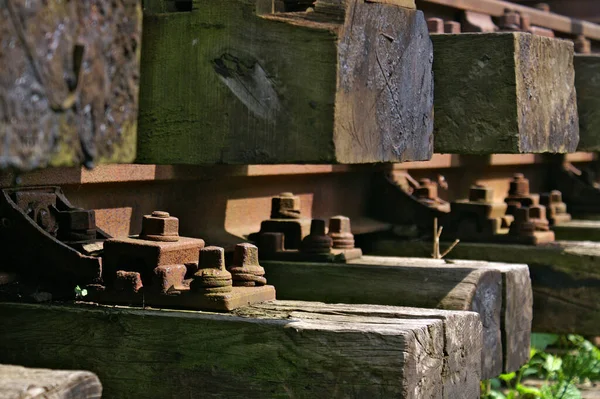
(499, 293)
(284, 348)
(564, 275)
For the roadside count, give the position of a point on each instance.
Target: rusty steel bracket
(480, 219)
(399, 199)
(160, 268)
(579, 189)
(519, 195)
(53, 246)
(337, 245)
(289, 236)
(48, 240)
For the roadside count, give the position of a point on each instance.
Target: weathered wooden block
(587, 83)
(504, 93)
(427, 283)
(350, 82)
(578, 230)
(564, 276)
(297, 349)
(69, 82)
(18, 382)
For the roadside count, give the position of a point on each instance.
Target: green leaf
(552, 364)
(507, 377)
(541, 341)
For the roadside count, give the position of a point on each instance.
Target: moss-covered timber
(221, 84)
(504, 93)
(565, 277)
(587, 83)
(280, 349)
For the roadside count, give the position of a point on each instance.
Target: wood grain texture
(423, 283)
(223, 85)
(281, 349)
(18, 382)
(564, 276)
(587, 83)
(504, 93)
(69, 82)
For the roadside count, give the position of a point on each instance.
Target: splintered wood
(68, 82)
(284, 348)
(348, 82)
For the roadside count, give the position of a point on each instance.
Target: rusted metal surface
(46, 239)
(480, 219)
(398, 198)
(68, 82)
(579, 188)
(178, 272)
(549, 20)
(317, 246)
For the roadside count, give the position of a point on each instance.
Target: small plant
(578, 362)
(79, 292)
(436, 242)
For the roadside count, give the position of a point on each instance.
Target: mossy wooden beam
(221, 84)
(68, 82)
(565, 277)
(427, 283)
(587, 83)
(20, 382)
(504, 93)
(578, 230)
(281, 349)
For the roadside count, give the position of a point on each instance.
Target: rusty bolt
(479, 193)
(435, 25)
(537, 215)
(525, 22)
(43, 218)
(522, 225)
(426, 190)
(211, 277)
(341, 233)
(79, 219)
(583, 45)
(510, 21)
(160, 226)
(168, 278)
(130, 282)
(452, 27)
(543, 7)
(519, 186)
(245, 271)
(271, 243)
(285, 206)
(317, 242)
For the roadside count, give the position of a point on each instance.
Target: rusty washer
(245, 271)
(317, 242)
(211, 277)
(341, 233)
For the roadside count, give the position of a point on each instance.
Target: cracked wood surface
(350, 82)
(68, 82)
(565, 278)
(18, 382)
(284, 348)
(504, 93)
